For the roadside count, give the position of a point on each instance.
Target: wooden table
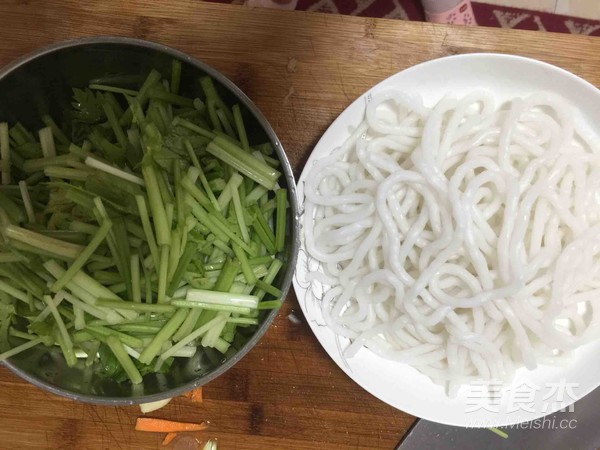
(302, 70)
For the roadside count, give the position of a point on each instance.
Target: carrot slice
(166, 426)
(169, 438)
(196, 395)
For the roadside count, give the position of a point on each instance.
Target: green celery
(103, 332)
(83, 257)
(244, 162)
(135, 278)
(175, 76)
(211, 307)
(157, 207)
(192, 173)
(226, 277)
(244, 263)
(114, 124)
(270, 304)
(162, 274)
(274, 269)
(117, 348)
(47, 244)
(188, 324)
(239, 124)
(192, 127)
(200, 331)
(162, 336)
(147, 227)
(280, 223)
(184, 261)
(133, 306)
(114, 89)
(161, 94)
(232, 185)
(20, 348)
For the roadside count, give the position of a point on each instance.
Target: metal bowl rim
(289, 176)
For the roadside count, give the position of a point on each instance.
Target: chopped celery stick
(239, 124)
(196, 169)
(222, 298)
(281, 196)
(16, 293)
(47, 244)
(157, 207)
(242, 161)
(20, 348)
(259, 260)
(59, 322)
(192, 127)
(188, 325)
(141, 204)
(68, 353)
(124, 338)
(91, 310)
(117, 348)
(274, 268)
(96, 164)
(111, 115)
(225, 123)
(118, 288)
(211, 306)
(20, 334)
(175, 76)
(79, 318)
(160, 94)
(233, 184)
(141, 328)
(254, 195)
(195, 193)
(186, 352)
(270, 304)
(243, 320)
(83, 257)
(56, 131)
(184, 261)
(191, 337)
(132, 306)
(114, 89)
(162, 336)
(260, 284)
(221, 345)
(135, 278)
(244, 264)
(105, 277)
(162, 274)
(239, 214)
(47, 142)
(27, 201)
(226, 277)
(66, 173)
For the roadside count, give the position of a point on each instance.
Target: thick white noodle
(462, 239)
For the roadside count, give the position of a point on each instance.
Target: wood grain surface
(302, 70)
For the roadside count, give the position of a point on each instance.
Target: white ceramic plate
(399, 384)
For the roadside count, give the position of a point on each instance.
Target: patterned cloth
(485, 14)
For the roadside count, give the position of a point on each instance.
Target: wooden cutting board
(302, 70)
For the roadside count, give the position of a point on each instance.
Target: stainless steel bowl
(40, 83)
